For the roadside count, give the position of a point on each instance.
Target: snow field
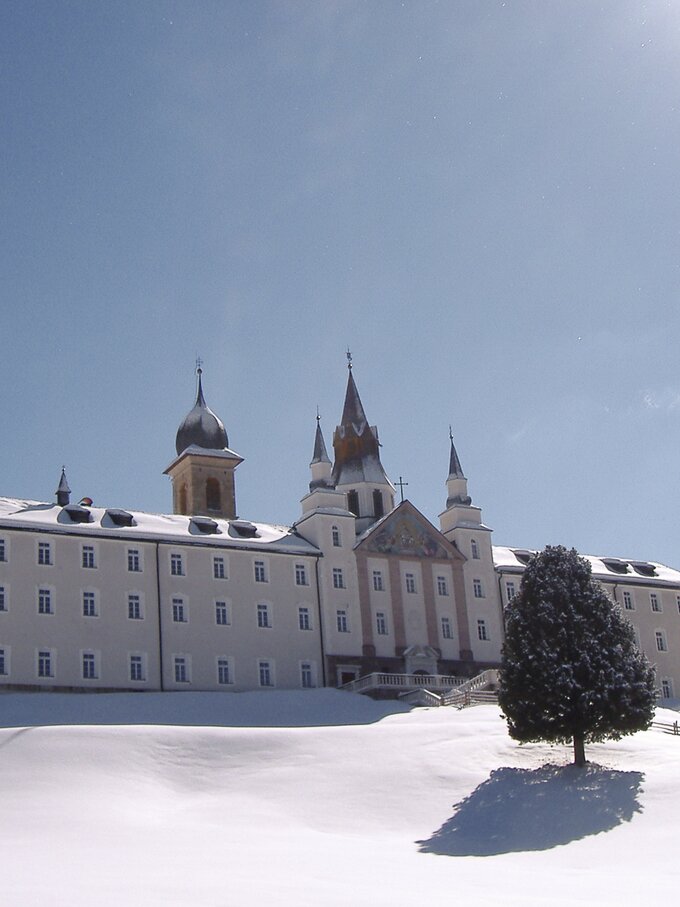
(218, 806)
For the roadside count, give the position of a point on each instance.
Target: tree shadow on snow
(536, 809)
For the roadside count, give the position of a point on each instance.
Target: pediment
(406, 532)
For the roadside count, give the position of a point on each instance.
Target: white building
(109, 599)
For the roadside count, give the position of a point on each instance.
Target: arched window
(378, 504)
(182, 499)
(475, 550)
(335, 534)
(213, 498)
(353, 502)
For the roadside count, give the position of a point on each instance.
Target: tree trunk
(579, 750)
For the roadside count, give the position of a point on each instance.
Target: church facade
(111, 599)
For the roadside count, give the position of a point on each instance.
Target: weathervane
(349, 359)
(199, 363)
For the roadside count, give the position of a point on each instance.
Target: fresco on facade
(403, 534)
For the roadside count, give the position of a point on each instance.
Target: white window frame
(3, 550)
(264, 616)
(45, 600)
(180, 610)
(137, 660)
(4, 598)
(135, 606)
(222, 613)
(628, 601)
(661, 641)
(307, 675)
(378, 583)
(5, 666)
(265, 673)
(474, 548)
(181, 668)
(44, 657)
(338, 578)
(447, 627)
(304, 617)
(90, 603)
(45, 558)
(667, 687)
(301, 575)
(482, 631)
(381, 623)
(342, 620)
(477, 588)
(88, 559)
(134, 560)
(510, 590)
(336, 537)
(89, 665)
(260, 571)
(410, 583)
(655, 603)
(219, 567)
(442, 586)
(177, 564)
(224, 671)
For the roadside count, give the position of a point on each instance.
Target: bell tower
(202, 474)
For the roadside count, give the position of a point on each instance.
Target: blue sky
(478, 197)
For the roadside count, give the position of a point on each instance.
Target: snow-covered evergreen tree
(571, 669)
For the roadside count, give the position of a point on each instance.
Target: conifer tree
(570, 667)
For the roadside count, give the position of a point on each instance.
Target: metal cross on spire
(401, 484)
(349, 358)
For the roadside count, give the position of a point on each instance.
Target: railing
(668, 727)
(402, 681)
(473, 690)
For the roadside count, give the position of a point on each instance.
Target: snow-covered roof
(612, 569)
(22, 514)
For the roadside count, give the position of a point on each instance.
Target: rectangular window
(304, 622)
(222, 614)
(474, 547)
(134, 606)
(260, 572)
(677, 599)
(335, 535)
(45, 663)
(133, 560)
(89, 666)
(338, 578)
(89, 604)
(219, 571)
(3, 599)
(223, 671)
(654, 602)
(176, 565)
(45, 601)
(482, 632)
(300, 575)
(341, 621)
(410, 582)
(628, 601)
(179, 612)
(3, 550)
(666, 688)
(447, 633)
(307, 675)
(137, 667)
(3, 662)
(477, 588)
(510, 590)
(442, 586)
(381, 623)
(378, 584)
(88, 556)
(263, 616)
(44, 553)
(265, 674)
(661, 644)
(181, 669)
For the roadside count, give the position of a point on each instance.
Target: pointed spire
(320, 454)
(63, 492)
(200, 399)
(455, 469)
(353, 415)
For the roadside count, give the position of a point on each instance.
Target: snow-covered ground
(321, 797)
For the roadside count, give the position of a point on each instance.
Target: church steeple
(63, 492)
(320, 464)
(456, 482)
(202, 475)
(357, 469)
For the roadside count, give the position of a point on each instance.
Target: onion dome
(201, 427)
